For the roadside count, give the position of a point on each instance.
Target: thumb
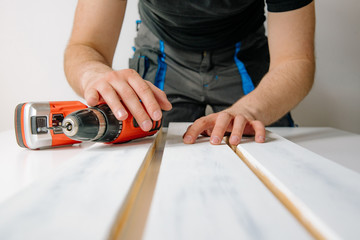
(91, 97)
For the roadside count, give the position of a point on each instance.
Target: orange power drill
(49, 124)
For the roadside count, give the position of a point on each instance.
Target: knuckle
(226, 114)
(105, 88)
(148, 82)
(130, 72)
(201, 121)
(110, 76)
(162, 94)
(140, 114)
(143, 89)
(241, 118)
(126, 92)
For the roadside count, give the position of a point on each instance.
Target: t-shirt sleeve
(285, 5)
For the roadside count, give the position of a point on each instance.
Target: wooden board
(81, 200)
(322, 194)
(207, 192)
(334, 144)
(20, 167)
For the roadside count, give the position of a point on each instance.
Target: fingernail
(188, 139)
(234, 139)
(146, 125)
(157, 115)
(121, 114)
(261, 138)
(215, 140)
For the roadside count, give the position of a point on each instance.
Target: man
(200, 52)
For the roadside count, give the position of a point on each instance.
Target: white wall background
(33, 36)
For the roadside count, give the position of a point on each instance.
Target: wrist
(242, 107)
(90, 75)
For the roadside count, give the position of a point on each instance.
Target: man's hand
(88, 60)
(290, 77)
(218, 124)
(126, 87)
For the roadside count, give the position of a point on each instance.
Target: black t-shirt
(208, 24)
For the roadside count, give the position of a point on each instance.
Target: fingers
(222, 122)
(238, 129)
(130, 98)
(143, 91)
(126, 88)
(111, 97)
(199, 126)
(259, 129)
(160, 97)
(218, 124)
(92, 97)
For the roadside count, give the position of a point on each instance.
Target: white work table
(27, 175)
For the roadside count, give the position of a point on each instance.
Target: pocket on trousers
(144, 62)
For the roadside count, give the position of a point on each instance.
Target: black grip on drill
(113, 126)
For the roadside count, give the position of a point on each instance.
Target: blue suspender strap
(161, 70)
(247, 83)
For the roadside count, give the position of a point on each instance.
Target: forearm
(281, 89)
(83, 63)
(292, 65)
(92, 44)
(291, 75)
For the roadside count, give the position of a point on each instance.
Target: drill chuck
(92, 124)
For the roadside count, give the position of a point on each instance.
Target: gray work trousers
(194, 79)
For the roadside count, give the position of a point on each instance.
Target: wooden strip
(281, 196)
(81, 200)
(131, 219)
(206, 192)
(321, 194)
(334, 144)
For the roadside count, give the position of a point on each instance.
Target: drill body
(50, 124)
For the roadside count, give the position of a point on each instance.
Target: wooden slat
(323, 195)
(81, 200)
(207, 192)
(131, 219)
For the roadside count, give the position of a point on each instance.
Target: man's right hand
(126, 87)
(88, 65)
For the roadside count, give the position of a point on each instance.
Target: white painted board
(20, 167)
(207, 192)
(326, 193)
(334, 144)
(81, 200)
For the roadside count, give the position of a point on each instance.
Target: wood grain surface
(81, 200)
(323, 195)
(207, 192)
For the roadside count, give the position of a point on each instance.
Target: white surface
(336, 145)
(33, 38)
(326, 193)
(81, 198)
(20, 167)
(207, 192)
(34, 35)
(334, 100)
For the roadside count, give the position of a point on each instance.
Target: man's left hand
(216, 125)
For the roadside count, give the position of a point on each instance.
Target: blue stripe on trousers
(247, 83)
(161, 70)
